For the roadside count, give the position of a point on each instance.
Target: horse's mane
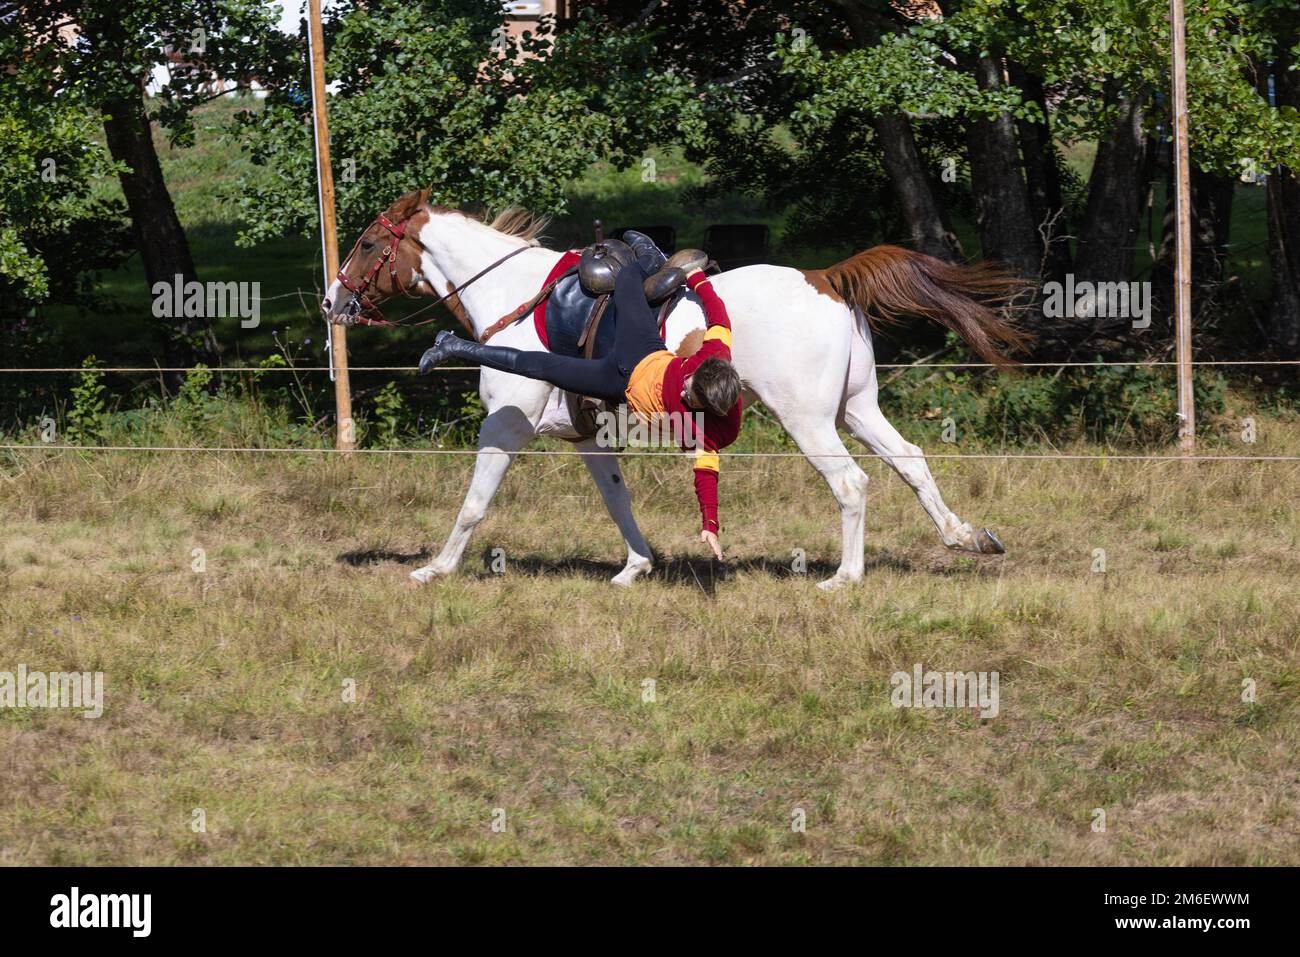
(517, 221)
(511, 221)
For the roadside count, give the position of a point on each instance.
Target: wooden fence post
(345, 430)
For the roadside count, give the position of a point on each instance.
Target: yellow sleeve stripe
(719, 332)
(707, 460)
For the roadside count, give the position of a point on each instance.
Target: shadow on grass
(702, 573)
(378, 556)
(699, 573)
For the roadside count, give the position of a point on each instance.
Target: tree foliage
(48, 221)
(434, 94)
(69, 58)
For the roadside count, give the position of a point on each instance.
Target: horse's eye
(367, 245)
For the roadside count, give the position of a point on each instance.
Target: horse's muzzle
(346, 317)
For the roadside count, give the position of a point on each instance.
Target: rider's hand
(711, 539)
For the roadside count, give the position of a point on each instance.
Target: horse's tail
(888, 283)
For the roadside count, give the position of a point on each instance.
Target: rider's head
(713, 387)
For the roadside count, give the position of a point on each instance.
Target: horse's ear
(409, 204)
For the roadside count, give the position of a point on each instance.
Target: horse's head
(385, 260)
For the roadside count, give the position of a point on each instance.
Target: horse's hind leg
(863, 418)
(613, 489)
(816, 437)
(503, 433)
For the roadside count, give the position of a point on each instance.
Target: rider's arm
(718, 434)
(706, 489)
(717, 334)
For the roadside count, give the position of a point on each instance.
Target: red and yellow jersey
(645, 387)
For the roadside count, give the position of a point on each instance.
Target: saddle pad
(568, 260)
(567, 312)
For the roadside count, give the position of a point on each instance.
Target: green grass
(525, 691)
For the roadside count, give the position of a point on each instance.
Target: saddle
(580, 313)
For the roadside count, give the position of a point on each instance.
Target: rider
(640, 371)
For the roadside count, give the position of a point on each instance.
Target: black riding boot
(448, 345)
(661, 282)
(649, 255)
(600, 378)
(665, 275)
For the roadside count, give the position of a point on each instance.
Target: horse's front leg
(504, 432)
(613, 489)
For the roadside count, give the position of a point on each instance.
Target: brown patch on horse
(454, 304)
(407, 252)
(978, 301)
(413, 208)
(691, 343)
(817, 279)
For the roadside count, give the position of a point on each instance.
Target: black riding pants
(636, 335)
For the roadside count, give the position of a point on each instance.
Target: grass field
(523, 699)
(519, 698)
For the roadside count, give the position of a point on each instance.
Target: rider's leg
(636, 334)
(599, 378)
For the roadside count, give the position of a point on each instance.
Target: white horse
(801, 344)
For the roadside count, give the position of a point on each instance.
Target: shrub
(1119, 405)
(88, 411)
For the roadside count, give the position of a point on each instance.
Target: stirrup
(672, 275)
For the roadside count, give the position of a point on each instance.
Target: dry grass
(523, 691)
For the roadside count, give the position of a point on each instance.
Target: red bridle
(370, 313)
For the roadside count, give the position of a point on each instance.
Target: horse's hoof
(988, 543)
(836, 581)
(633, 570)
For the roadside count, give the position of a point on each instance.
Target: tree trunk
(922, 213)
(164, 249)
(1284, 224)
(1115, 193)
(1043, 179)
(1007, 230)
(923, 216)
(1211, 222)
